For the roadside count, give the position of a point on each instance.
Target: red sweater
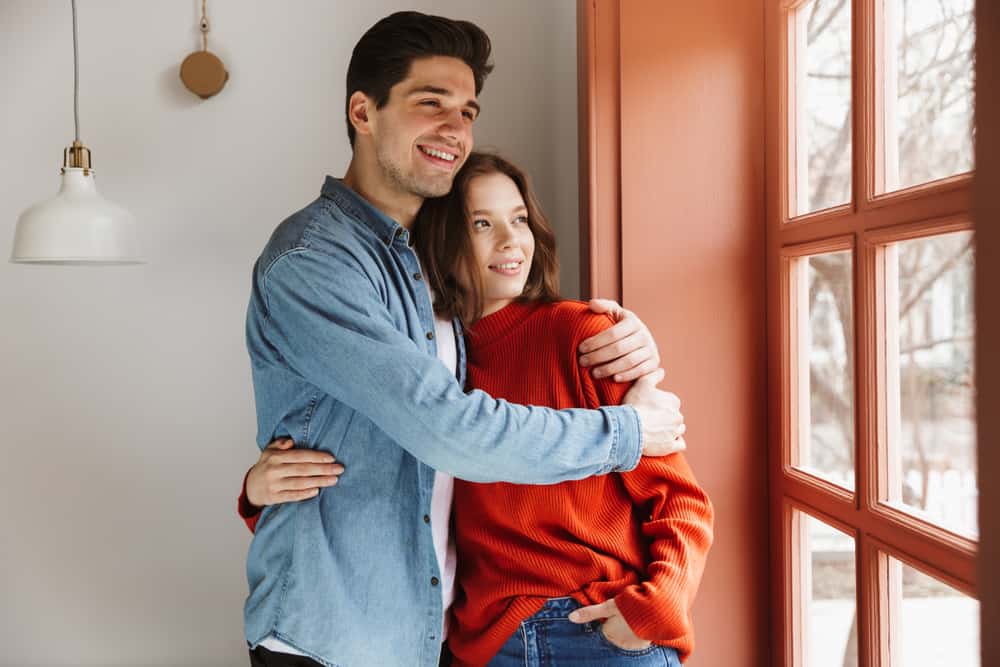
(639, 537)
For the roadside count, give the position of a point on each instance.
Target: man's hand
(627, 350)
(616, 629)
(283, 474)
(659, 415)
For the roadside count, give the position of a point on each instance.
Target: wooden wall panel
(599, 126)
(691, 178)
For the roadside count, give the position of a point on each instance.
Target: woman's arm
(679, 529)
(678, 526)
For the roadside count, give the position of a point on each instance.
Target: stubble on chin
(426, 188)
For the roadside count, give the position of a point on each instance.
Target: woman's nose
(505, 238)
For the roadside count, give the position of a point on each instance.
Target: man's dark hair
(383, 55)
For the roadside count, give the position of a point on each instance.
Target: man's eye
(431, 103)
(469, 115)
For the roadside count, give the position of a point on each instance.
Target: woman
(629, 547)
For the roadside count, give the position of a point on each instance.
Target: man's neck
(400, 206)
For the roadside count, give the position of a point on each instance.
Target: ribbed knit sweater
(640, 537)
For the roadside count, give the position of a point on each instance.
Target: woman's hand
(626, 351)
(283, 474)
(616, 629)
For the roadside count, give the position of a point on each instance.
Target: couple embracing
(444, 479)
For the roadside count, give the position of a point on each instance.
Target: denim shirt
(340, 334)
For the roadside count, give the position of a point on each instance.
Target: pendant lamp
(78, 225)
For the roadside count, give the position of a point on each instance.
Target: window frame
(866, 224)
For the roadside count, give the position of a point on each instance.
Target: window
(920, 606)
(872, 388)
(930, 410)
(822, 318)
(927, 69)
(825, 592)
(821, 106)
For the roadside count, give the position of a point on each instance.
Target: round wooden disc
(203, 74)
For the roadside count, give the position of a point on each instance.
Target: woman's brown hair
(441, 237)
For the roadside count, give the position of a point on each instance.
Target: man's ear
(357, 112)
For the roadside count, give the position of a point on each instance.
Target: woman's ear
(357, 112)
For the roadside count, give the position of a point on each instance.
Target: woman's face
(502, 242)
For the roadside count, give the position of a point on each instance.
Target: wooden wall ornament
(202, 71)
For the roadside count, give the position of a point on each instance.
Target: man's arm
(328, 325)
(625, 351)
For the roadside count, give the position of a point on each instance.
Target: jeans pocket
(618, 649)
(671, 657)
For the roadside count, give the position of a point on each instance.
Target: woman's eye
(523, 219)
(480, 224)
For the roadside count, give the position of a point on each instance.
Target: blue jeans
(550, 639)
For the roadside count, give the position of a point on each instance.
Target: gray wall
(125, 395)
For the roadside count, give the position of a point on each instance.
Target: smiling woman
(539, 565)
(492, 233)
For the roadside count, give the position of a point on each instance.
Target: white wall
(125, 396)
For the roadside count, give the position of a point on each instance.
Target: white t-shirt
(444, 489)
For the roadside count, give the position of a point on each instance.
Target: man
(345, 354)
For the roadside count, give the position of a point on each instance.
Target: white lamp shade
(77, 226)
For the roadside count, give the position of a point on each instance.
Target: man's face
(424, 132)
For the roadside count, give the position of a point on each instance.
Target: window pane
(933, 421)
(823, 98)
(827, 593)
(825, 442)
(930, 622)
(929, 96)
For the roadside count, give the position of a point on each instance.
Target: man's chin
(435, 188)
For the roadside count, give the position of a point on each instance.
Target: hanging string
(76, 77)
(204, 27)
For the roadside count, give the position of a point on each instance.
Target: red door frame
(673, 224)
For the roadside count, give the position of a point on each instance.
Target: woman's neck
(495, 305)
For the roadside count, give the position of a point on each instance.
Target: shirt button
(417, 276)
(434, 581)
(427, 519)
(430, 335)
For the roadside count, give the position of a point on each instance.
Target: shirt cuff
(626, 446)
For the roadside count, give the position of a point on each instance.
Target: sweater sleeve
(249, 512)
(678, 524)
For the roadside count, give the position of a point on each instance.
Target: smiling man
(348, 361)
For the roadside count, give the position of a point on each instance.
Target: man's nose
(453, 124)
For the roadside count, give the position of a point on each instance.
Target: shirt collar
(384, 227)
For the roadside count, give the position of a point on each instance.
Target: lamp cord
(76, 77)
